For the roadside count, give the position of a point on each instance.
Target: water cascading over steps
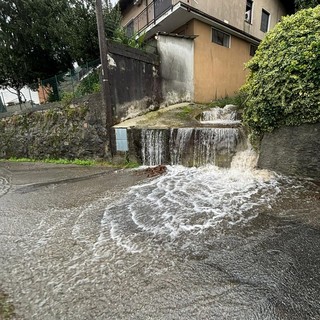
(226, 116)
(216, 144)
(190, 146)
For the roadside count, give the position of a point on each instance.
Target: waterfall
(179, 142)
(224, 116)
(190, 146)
(216, 144)
(153, 147)
(245, 160)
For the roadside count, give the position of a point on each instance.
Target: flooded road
(208, 243)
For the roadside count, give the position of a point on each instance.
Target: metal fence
(54, 88)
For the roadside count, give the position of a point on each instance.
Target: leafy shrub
(67, 98)
(283, 87)
(6, 308)
(239, 100)
(89, 84)
(133, 41)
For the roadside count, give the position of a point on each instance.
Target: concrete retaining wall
(292, 151)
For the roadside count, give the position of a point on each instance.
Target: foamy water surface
(189, 201)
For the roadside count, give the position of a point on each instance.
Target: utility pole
(106, 97)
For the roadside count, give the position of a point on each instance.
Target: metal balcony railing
(148, 16)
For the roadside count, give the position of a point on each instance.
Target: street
(99, 243)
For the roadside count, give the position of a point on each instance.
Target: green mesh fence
(77, 82)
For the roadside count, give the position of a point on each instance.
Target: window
(248, 14)
(265, 17)
(130, 29)
(221, 38)
(253, 50)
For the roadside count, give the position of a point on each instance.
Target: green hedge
(283, 87)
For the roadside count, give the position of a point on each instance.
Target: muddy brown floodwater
(193, 243)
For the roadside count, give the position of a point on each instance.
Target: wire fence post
(71, 76)
(44, 98)
(2, 104)
(3, 100)
(57, 86)
(88, 74)
(30, 98)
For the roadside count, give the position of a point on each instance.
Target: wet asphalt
(63, 257)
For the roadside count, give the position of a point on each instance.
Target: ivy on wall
(283, 87)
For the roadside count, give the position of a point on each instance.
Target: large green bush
(283, 87)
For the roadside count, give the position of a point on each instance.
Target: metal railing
(148, 16)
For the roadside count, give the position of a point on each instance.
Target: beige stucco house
(203, 44)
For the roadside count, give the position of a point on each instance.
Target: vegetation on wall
(133, 41)
(283, 87)
(90, 84)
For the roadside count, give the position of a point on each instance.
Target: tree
(31, 46)
(112, 19)
(40, 38)
(305, 4)
(81, 35)
(283, 87)
(79, 29)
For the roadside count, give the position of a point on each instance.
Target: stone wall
(292, 151)
(69, 132)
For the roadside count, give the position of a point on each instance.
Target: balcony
(148, 16)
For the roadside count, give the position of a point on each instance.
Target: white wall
(176, 68)
(7, 96)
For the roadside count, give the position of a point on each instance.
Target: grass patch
(186, 112)
(56, 161)
(130, 165)
(75, 161)
(189, 112)
(238, 100)
(126, 164)
(6, 308)
(19, 160)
